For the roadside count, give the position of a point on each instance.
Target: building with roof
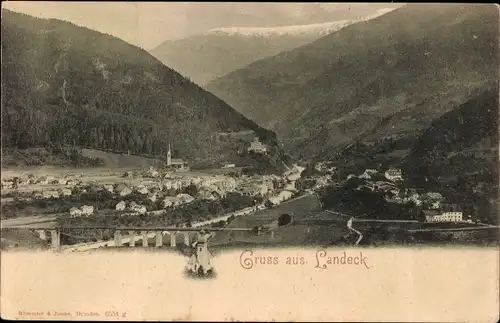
(176, 163)
(257, 146)
(434, 216)
(393, 174)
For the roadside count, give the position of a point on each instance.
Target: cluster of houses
(132, 206)
(432, 203)
(86, 210)
(15, 182)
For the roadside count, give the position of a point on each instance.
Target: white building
(74, 211)
(393, 174)
(50, 194)
(433, 216)
(121, 206)
(142, 190)
(87, 210)
(285, 195)
(65, 192)
(169, 201)
(141, 209)
(257, 146)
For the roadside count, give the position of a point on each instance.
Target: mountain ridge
(216, 52)
(407, 64)
(65, 84)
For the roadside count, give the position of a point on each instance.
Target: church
(175, 163)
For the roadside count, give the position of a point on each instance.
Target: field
(302, 232)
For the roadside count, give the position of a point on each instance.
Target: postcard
(232, 161)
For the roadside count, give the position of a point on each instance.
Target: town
(172, 194)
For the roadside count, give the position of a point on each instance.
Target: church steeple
(169, 156)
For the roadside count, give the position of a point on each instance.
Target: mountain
(458, 154)
(217, 52)
(461, 137)
(387, 77)
(68, 85)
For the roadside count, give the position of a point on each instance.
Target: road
(349, 225)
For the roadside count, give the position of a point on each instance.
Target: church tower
(169, 156)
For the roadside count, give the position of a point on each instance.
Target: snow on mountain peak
(319, 29)
(298, 30)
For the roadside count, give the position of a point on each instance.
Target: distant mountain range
(219, 51)
(68, 85)
(387, 77)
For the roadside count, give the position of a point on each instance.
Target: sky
(148, 24)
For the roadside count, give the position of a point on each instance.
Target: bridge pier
(186, 238)
(173, 241)
(55, 237)
(131, 242)
(144, 238)
(118, 238)
(159, 238)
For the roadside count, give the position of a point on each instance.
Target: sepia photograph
(255, 134)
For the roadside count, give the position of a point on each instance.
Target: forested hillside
(67, 85)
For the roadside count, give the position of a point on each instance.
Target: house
(275, 200)
(285, 195)
(434, 216)
(141, 209)
(143, 190)
(169, 201)
(50, 194)
(65, 192)
(87, 210)
(229, 166)
(351, 176)
(121, 206)
(249, 190)
(62, 181)
(123, 190)
(393, 174)
(44, 180)
(257, 147)
(206, 194)
(185, 198)
(109, 188)
(290, 186)
(74, 211)
(365, 175)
